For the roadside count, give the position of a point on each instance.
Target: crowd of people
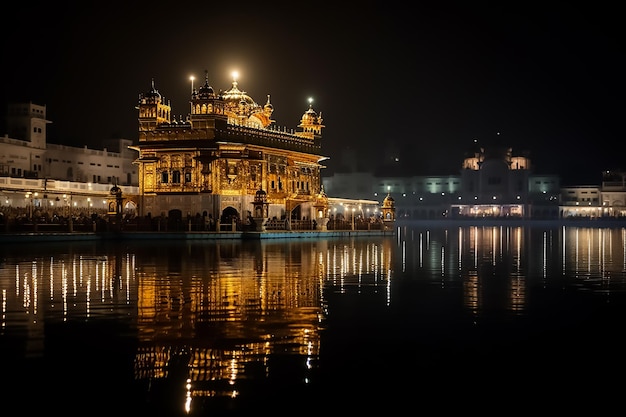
(20, 219)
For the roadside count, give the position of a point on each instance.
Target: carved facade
(228, 148)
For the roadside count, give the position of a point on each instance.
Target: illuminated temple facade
(227, 150)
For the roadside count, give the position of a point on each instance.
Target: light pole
(353, 218)
(28, 204)
(191, 78)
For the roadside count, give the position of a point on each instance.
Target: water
(439, 318)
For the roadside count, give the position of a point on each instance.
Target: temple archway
(229, 214)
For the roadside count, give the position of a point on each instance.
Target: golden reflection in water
(210, 312)
(247, 309)
(216, 310)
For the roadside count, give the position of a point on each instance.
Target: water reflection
(510, 259)
(194, 323)
(207, 317)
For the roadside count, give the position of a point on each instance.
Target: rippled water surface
(471, 318)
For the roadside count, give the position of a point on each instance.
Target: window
(164, 177)
(176, 177)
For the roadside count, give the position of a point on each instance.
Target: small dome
(115, 190)
(388, 201)
(321, 197)
(310, 115)
(310, 118)
(153, 94)
(260, 196)
(206, 91)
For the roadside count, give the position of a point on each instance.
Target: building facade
(26, 153)
(213, 163)
(42, 178)
(492, 182)
(613, 194)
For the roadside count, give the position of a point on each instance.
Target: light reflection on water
(583, 257)
(224, 323)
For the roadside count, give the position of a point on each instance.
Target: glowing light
(188, 396)
(235, 75)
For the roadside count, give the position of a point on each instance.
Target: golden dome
(388, 201)
(242, 109)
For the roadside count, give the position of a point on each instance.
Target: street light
(191, 78)
(353, 218)
(29, 204)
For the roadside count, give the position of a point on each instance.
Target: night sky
(419, 83)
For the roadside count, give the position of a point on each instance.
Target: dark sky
(420, 82)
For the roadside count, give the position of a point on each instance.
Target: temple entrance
(297, 221)
(175, 220)
(230, 219)
(296, 213)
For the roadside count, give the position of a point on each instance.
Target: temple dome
(242, 109)
(151, 95)
(235, 97)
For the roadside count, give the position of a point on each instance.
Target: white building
(36, 175)
(25, 153)
(493, 182)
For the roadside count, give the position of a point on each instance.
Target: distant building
(607, 200)
(27, 154)
(492, 182)
(41, 177)
(613, 194)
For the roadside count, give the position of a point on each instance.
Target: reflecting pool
(474, 318)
